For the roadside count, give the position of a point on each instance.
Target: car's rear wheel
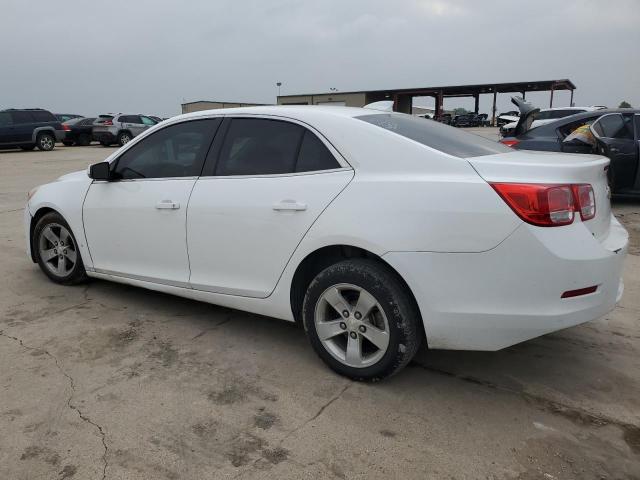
(56, 250)
(28, 148)
(360, 320)
(124, 138)
(105, 144)
(45, 142)
(84, 139)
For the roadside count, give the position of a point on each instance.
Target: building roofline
(558, 84)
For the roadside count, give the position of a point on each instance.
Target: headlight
(32, 192)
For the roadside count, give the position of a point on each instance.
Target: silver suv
(120, 127)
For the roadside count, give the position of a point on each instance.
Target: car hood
(527, 113)
(73, 176)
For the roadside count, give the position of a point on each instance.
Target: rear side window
(314, 155)
(615, 126)
(22, 117)
(148, 121)
(175, 151)
(256, 146)
(43, 116)
(449, 140)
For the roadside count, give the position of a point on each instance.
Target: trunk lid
(527, 115)
(525, 166)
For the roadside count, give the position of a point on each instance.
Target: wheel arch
(326, 256)
(41, 212)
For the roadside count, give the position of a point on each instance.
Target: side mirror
(100, 171)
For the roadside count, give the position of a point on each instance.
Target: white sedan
(374, 230)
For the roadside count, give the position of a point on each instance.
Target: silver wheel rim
(57, 249)
(352, 325)
(125, 138)
(46, 142)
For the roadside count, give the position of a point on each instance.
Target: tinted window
(5, 119)
(130, 119)
(175, 151)
(87, 121)
(148, 121)
(255, 146)
(314, 155)
(444, 138)
(74, 121)
(43, 116)
(22, 117)
(615, 126)
(636, 116)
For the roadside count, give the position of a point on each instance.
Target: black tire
(45, 141)
(28, 148)
(84, 140)
(105, 144)
(124, 138)
(405, 331)
(67, 143)
(77, 273)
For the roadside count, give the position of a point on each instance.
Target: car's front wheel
(45, 142)
(56, 250)
(361, 320)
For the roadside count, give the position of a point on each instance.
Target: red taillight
(509, 143)
(66, 128)
(586, 200)
(108, 122)
(541, 205)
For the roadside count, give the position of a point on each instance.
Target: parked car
(78, 131)
(467, 120)
(120, 128)
(297, 213)
(28, 128)
(507, 117)
(546, 115)
(63, 117)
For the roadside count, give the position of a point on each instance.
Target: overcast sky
(79, 56)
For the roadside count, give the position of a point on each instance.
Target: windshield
(444, 138)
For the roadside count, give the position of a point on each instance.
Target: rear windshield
(444, 138)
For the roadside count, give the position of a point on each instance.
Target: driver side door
(135, 224)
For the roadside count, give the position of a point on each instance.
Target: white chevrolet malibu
(375, 230)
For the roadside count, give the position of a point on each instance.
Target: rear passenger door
(23, 125)
(133, 123)
(6, 128)
(264, 184)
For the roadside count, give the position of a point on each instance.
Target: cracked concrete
(106, 381)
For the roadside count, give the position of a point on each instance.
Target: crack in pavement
(318, 413)
(575, 414)
(207, 330)
(11, 211)
(71, 406)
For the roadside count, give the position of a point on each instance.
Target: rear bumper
(512, 293)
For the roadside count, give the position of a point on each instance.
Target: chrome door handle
(167, 205)
(614, 150)
(289, 205)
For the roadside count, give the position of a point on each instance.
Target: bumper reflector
(579, 292)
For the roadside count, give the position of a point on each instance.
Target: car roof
(299, 112)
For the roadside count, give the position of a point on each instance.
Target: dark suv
(28, 128)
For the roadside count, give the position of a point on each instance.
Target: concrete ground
(105, 381)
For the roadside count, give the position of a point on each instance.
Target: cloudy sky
(79, 56)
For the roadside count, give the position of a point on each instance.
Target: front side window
(148, 121)
(174, 151)
(5, 119)
(615, 126)
(449, 140)
(256, 146)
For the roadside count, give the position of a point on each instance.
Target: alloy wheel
(352, 325)
(57, 250)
